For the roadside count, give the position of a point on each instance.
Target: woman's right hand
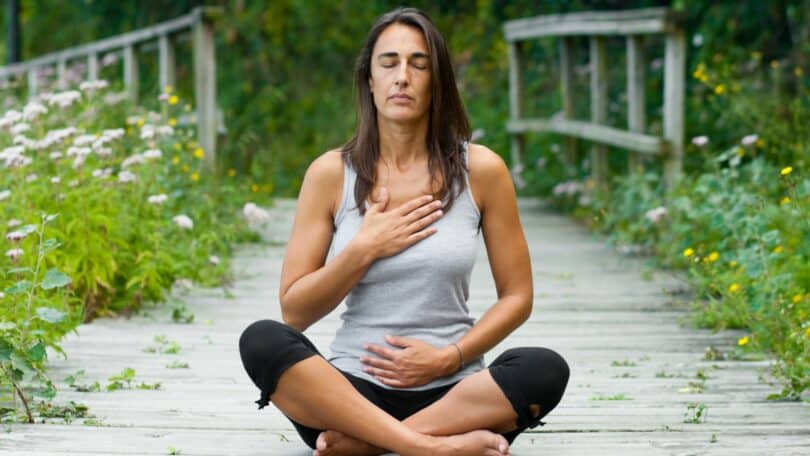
(385, 233)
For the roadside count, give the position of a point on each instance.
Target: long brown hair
(448, 126)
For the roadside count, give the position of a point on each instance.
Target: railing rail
(197, 26)
(597, 26)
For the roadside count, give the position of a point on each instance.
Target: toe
(321, 443)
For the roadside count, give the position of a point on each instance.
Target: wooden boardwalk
(635, 369)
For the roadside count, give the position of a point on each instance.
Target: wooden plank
(599, 105)
(205, 89)
(61, 79)
(674, 93)
(33, 80)
(636, 118)
(515, 100)
(592, 132)
(166, 62)
(131, 73)
(92, 67)
(639, 21)
(567, 88)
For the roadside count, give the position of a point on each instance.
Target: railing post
(131, 73)
(636, 118)
(674, 80)
(33, 81)
(166, 62)
(92, 66)
(205, 87)
(599, 163)
(515, 98)
(567, 86)
(61, 79)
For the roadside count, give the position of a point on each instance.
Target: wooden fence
(197, 26)
(633, 25)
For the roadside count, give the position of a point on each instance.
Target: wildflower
(31, 177)
(231, 172)
(569, 188)
(163, 97)
(732, 263)
(115, 133)
(697, 40)
(760, 143)
(740, 151)
(152, 154)
(187, 108)
(186, 168)
(32, 110)
(743, 341)
(688, 252)
(700, 141)
(55, 180)
(172, 122)
(126, 176)
(733, 287)
(175, 160)
(807, 332)
(168, 88)
(20, 128)
(14, 254)
(749, 140)
(720, 89)
(173, 100)
(199, 153)
(91, 86)
(135, 159)
(213, 259)
(254, 188)
(786, 170)
(158, 199)
(713, 257)
(797, 298)
(785, 200)
(195, 176)
(777, 249)
(183, 221)
(64, 99)
(15, 236)
(255, 215)
(13, 223)
(798, 72)
(541, 163)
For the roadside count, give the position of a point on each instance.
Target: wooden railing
(597, 26)
(197, 25)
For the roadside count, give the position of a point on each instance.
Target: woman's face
(400, 75)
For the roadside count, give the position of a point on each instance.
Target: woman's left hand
(414, 363)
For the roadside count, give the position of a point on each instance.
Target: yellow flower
(172, 122)
(720, 89)
(231, 172)
(797, 298)
(177, 146)
(688, 252)
(733, 287)
(713, 257)
(195, 176)
(760, 143)
(786, 170)
(807, 332)
(254, 188)
(798, 72)
(740, 151)
(186, 168)
(743, 341)
(777, 249)
(785, 200)
(733, 263)
(140, 122)
(168, 89)
(173, 100)
(267, 188)
(187, 107)
(774, 64)
(175, 160)
(199, 153)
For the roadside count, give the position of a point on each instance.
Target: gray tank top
(420, 292)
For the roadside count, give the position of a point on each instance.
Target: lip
(400, 96)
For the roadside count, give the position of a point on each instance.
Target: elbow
(527, 303)
(289, 317)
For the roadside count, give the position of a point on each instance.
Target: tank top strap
(349, 177)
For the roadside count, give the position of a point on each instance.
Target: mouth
(400, 96)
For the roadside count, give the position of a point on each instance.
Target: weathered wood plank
(636, 118)
(593, 132)
(638, 21)
(674, 88)
(205, 90)
(567, 89)
(599, 106)
(166, 62)
(516, 100)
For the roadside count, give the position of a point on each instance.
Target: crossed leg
(476, 402)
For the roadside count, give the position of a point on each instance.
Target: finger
(419, 235)
(392, 382)
(423, 211)
(398, 341)
(424, 221)
(378, 362)
(413, 204)
(381, 351)
(384, 373)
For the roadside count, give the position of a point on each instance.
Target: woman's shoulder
(487, 169)
(325, 176)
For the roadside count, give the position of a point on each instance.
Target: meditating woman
(401, 205)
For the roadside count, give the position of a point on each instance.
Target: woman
(402, 204)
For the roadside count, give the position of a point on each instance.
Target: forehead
(402, 39)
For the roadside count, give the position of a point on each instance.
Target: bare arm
(311, 288)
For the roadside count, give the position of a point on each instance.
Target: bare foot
(333, 443)
(475, 443)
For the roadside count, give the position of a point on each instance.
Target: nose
(402, 77)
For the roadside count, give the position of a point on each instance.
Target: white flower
(4, 194)
(64, 99)
(255, 215)
(109, 59)
(20, 128)
(135, 159)
(78, 151)
(113, 98)
(13, 223)
(33, 109)
(749, 140)
(2, 295)
(165, 130)
(569, 188)
(31, 177)
(183, 221)
(104, 152)
(14, 254)
(18, 161)
(83, 140)
(11, 117)
(101, 173)
(116, 133)
(656, 215)
(73, 183)
(697, 40)
(147, 131)
(158, 199)
(152, 154)
(55, 180)
(213, 259)
(90, 86)
(126, 176)
(15, 236)
(55, 155)
(700, 141)
(541, 163)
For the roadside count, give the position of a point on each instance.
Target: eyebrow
(415, 55)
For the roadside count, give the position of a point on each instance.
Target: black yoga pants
(526, 375)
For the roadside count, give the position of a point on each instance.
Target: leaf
(27, 229)
(19, 270)
(50, 314)
(50, 217)
(54, 279)
(7, 325)
(6, 349)
(37, 352)
(18, 288)
(49, 245)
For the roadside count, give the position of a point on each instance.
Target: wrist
(451, 361)
(363, 254)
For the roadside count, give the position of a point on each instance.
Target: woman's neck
(402, 145)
